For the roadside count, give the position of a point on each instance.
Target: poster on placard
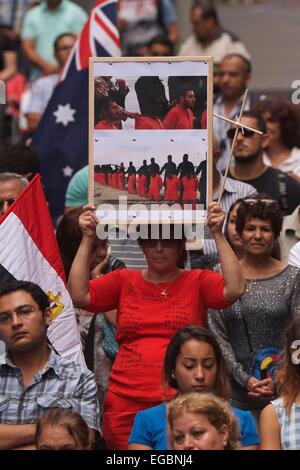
(150, 133)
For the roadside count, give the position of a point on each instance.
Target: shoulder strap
(89, 353)
(281, 179)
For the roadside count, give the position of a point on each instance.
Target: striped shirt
(61, 384)
(126, 249)
(289, 425)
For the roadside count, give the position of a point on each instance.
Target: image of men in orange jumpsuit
(182, 116)
(142, 184)
(131, 171)
(189, 183)
(172, 183)
(156, 183)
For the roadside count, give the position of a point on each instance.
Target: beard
(247, 158)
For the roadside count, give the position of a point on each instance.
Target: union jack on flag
(61, 139)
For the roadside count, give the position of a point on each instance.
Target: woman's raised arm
(78, 282)
(234, 281)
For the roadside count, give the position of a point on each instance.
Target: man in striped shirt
(33, 377)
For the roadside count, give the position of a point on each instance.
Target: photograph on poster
(149, 128)
(150, 103)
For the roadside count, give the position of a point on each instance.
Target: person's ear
(47, 316)
(224, 431)
(265, 140)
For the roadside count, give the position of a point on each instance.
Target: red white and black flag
(29, 252)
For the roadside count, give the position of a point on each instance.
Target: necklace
(164, 292)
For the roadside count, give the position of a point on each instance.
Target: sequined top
(267, 306)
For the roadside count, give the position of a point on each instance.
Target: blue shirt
(150, 428)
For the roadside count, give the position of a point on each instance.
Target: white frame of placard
(111, 61)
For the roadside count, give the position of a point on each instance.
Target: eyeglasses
(8, 201)
(246, 132)
(22, 311)
(165, 243)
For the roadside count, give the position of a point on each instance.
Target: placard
(150, 138)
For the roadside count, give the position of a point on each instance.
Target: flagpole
(238, 123)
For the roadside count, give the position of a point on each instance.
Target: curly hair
(288, 376)
(216, 410)
(260, 206)
(288, 116)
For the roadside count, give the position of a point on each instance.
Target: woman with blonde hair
(202, 422)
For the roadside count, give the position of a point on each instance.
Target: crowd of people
(184, 350)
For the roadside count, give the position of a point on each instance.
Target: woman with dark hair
(62, 429)
(283, 126)
(234, 238)
(193, 363)
(250, 330)
(202, 422)
(151, 306)
(280, 421)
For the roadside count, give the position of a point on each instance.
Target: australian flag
(61, 139)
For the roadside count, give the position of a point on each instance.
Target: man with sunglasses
(11, 186)
(33, 377)
(250, 168)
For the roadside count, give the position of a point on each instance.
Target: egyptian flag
(29, 252)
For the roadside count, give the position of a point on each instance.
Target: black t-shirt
(279, 186)
(6, 44)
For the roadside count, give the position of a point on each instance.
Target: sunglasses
(8, 201)
(246, 133)
(165, 243)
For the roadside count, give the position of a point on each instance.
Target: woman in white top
(280, 420)
(283, 125)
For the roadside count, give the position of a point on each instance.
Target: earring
(173, 376)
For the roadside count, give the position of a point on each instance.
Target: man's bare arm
(16, 435)
(35, 59)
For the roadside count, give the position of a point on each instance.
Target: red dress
(155, 187)
(172, 189)
(146, 321)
